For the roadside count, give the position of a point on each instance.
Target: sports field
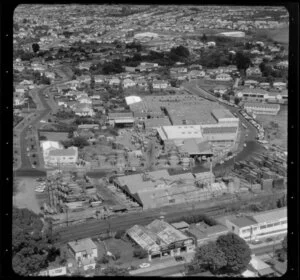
(280, 35)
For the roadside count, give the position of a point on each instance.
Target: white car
(39, 190)
(144, 265)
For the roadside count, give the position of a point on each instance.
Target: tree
(31, 250)
(226, 97)
(80, 142)
(242, 61)
(236, 250)
(140, 253)
(119, 234)
(35, 47)
(210, 257)
(237, 100)
(204, 38)
(103, 260)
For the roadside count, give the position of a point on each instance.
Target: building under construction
(158, 188)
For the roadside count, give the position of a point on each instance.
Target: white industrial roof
(180, 132)
(132, 99)
(50, 144)
(270, 216)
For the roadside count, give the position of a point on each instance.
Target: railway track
(96, 227)
(124, 222)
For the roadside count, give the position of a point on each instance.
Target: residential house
(195, 74)
(21, 89)
(282, 65)
(258, 268)
(62, 88)
(84, 99)
(223, 77)
(38, 66)
(18, 99)
(279, 85)
(26, 82)
(83, 109)
(50, 75)
(85, 252)
(160, 84)
(128, 83)
(84, 65)
(251, 83)
(220, 89)
(73, 84)
(178, 70)
(95, 96)
(195, 67)
(99, 79)
(142, 83)
(257, 60)
(264, 85)
(253, 71)
(114, 82)
(84, 79)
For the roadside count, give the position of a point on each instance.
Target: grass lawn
(54, 136)
(124, 248)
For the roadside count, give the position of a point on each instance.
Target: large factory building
(158, 188)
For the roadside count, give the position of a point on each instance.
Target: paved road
(26, 166)
(252, 144)
(179, 267)
(266, 249)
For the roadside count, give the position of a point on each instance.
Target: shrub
(140, 253)
(119, 234)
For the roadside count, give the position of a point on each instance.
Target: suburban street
(26, 167)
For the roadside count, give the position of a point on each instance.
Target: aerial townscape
(150, 140)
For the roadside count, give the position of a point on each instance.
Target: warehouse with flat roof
(224, 116)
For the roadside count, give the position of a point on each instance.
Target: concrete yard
(275, 127)
(26, 196)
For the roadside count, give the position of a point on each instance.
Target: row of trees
(79, 142)
(229, 254)
(193, 219)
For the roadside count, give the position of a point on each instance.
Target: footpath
(165, 262)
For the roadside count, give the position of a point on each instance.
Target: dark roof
(243, 222)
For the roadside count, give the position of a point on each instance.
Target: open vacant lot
(25, 196)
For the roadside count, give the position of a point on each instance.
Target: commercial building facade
(160, 238)
(266, 224)
(262, 108)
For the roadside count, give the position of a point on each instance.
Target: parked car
(144, 265)
(179, 258)
(256, 241)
